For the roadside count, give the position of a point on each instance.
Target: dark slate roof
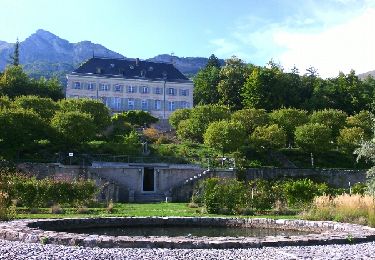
(130, 68)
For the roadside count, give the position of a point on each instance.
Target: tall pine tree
(16, 54)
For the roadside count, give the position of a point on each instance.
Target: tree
(189, 129)
(14, 82)
(224, 135)
(332, 118)
(5, 102)
(16, 54)
(289, 119)
(350, 138)
(233, 76)
(268, 137)
(213, 61)
(205, 86)
(363, 120)
(96, 109)
(177, 116)
(200, 118)
(251, 118)
(367, 151)
(313, 137)
(44, 107)
(136, 117)
(20, 128)
(74, 127)
(270, 88)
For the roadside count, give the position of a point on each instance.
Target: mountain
(45, 54)
(366, 74)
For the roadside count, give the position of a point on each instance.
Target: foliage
(232, 78)
(270, 88)
(262, 194)
(44, 107)
(268, 137)
(74, 127)
(5, 102)
(16, 54)
(33, 193)
(151, 134)
(213, 61)
(363, 120)
(223, 195)
(136, 118)
(359, 188)
(314, 138)
(14, 82)
(289, 119)
(224, 135)
(205, 86)
(177, 116)
(250, 118)
(94, 108)
(119, 127)
(20, 128)
(332, 118)
(200, 117)
(302, 192)
(350, 138)
(367, 151)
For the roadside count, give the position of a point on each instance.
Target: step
(149, 197)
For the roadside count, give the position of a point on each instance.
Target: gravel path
(19, 250)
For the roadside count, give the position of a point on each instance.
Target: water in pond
(173, 231)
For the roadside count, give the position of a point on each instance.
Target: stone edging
(34, 231)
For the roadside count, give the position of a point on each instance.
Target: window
(185, 104)
(144, 90)
(131, 89)
(116, 103)
(117, 88)
(104, 87)
(184, 92)
(157, 104)
(90, 86)
(158, 91)
(130, 103)
(171, 105)
(171, 91)
(77, 85)
(144, 104)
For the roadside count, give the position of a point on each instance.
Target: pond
(175, 231)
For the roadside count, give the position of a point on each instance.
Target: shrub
(301, 192)
(261, 195)
(223, 195)
(359, 188)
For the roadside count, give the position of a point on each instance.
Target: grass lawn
(138, 210)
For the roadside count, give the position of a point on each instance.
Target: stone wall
(336, 177)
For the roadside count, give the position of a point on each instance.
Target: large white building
(132, 84)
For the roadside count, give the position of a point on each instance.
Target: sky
(330, 35)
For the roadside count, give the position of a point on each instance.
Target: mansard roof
(130, 68)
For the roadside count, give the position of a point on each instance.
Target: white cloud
(350, 45)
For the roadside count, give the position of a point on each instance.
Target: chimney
(137, 62)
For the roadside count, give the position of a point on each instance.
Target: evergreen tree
(213, 61)
(16, 54)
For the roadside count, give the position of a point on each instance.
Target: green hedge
(33, 193)
(230, 196)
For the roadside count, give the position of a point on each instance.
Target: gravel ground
(19, 250)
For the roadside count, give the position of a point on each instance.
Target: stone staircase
(140, 197)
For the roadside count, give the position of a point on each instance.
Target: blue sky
(331, 35)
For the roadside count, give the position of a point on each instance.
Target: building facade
(132, 84)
